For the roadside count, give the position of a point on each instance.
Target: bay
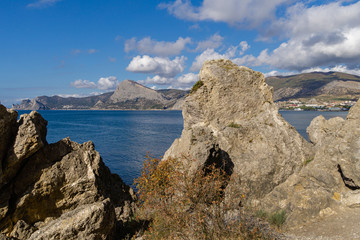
(123, 138)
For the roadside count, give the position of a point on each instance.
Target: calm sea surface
(124, 137)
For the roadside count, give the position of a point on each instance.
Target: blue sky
(84, 47)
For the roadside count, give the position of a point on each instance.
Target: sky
(86, 47)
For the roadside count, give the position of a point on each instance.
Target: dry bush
(189, 206)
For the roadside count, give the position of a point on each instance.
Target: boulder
(58, 191)
(232, 121)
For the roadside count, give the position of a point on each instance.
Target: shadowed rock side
(233, 110)
(56, 191)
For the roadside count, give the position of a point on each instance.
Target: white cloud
(83, 84)
(188, 78)
(210, 54)
(337, 68)
(214, 42)
(248, 13)
(107, 83)
(160, 48)
(164, 67)
(104, 83)
(158, 80)
(244, 46)
(324, 35)
(42, 3)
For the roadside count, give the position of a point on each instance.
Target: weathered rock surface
(231, 120)
(331, 181)
(57, 191)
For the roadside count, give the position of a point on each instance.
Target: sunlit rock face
(232, 114)
(57, 191)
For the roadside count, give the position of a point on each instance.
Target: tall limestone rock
(56, 191)
(231, 121)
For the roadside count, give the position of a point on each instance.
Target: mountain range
(319, 85)
(132, 95)
(128, 95)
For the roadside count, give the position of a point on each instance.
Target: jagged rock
(96, 221)
(59, 191)
(31, 136)
(329, 181)
(231, 121)
(8, 128)
(28, 104)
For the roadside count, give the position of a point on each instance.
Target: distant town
(315, 105)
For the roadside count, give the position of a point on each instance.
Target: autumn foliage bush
(184, 205)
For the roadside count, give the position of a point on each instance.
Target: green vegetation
(234, 125)
(196, 86)
(307, 161)
(278, 218)
(178, 204)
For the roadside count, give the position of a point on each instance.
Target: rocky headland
(56, 191)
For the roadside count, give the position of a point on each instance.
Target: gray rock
(31, 136)
(59, 191)
(231, 120)
(91, 221)
(130, 90)
(8, 128)
(330, 181)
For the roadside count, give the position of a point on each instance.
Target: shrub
(278, 218)
(184, 205)
(234, 125)
(196, 86)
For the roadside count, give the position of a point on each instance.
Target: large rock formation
(57, 191)
(232, 121)
(331, 180)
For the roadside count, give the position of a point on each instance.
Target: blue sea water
(123, 138)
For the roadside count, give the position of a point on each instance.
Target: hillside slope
(330, 85)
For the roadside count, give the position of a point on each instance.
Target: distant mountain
(128, 95)
(319, 85)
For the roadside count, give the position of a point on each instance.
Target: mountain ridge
(322, 86)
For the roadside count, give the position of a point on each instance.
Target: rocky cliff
(56, 191)
(231, 120)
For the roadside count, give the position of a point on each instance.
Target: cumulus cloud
(210, 54)
(160, 48)
(164, 67)
(158, 80)
(104, 83)
(83, 84)
(107, 83)
(329, 36)
(214, 42)
(249, 13)
(42, 3)
(189, 78)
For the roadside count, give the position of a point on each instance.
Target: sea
(125, 138)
